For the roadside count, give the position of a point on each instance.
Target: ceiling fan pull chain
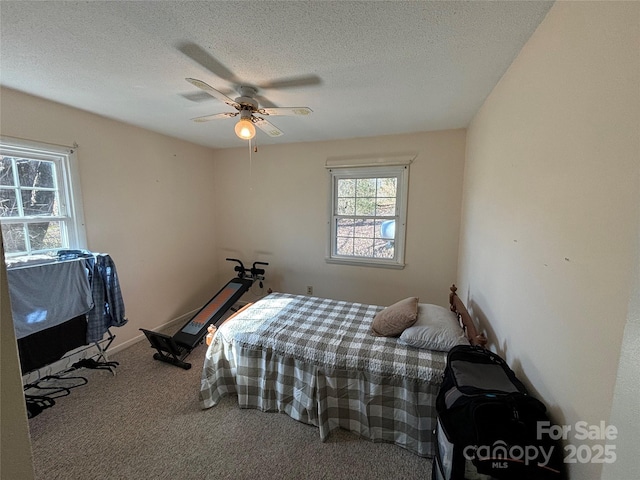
(250, 167)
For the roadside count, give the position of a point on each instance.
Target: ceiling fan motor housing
(246, 97)
(246, 114)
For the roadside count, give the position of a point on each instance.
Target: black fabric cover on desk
(47, 346)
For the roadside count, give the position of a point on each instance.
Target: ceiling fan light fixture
(244, 129)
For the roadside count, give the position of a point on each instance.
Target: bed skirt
(391, 409)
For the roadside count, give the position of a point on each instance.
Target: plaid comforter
(316, 360)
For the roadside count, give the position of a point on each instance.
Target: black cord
(62, 386)
(56, 390)
(37, 403)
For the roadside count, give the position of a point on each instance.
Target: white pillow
(436, 328)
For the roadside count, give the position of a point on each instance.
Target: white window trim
(69, 177)
(399, 169)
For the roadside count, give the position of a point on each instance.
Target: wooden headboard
(465, 319)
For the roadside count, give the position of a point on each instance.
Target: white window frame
(401, 172)
(68, 184)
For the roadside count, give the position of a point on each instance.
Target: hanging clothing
(108, 310)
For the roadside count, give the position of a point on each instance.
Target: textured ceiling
(364, 68)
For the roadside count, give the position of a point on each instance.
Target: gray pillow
(436, 328)
(392, 321)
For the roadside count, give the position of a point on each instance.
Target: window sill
(364, 263)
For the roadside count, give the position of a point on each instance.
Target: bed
(321, 362)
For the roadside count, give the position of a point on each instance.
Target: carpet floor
(145, 422)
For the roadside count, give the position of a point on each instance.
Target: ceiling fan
(248, 108)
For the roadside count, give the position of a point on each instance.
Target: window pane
(346, 206)
(365, 206)
(363, 247)
(45, 235)
(35, 173)
(345, 227)
(386, 206)
(364, 228)
(344, 245)
(366, 237)
(387, 187)
(383, 249)
(13, 238)
(346, 187)
(6, 171)
(365, 187)
(8, 204)
(39, 202)
(386, 229)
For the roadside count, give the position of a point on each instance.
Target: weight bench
(175, 349)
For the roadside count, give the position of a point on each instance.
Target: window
(368, 215)
(40, 211)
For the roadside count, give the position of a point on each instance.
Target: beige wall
(274, 207)
(148, 202)
(550, 209)
(15, 448)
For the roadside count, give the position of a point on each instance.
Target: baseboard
(124, 345)
(182, 318)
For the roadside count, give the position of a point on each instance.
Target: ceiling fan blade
(206, 118)
(301, 81)
(206, 60)
(213, 92)
(302, 111)
(266, 127)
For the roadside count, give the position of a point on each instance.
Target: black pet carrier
(488, 423)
